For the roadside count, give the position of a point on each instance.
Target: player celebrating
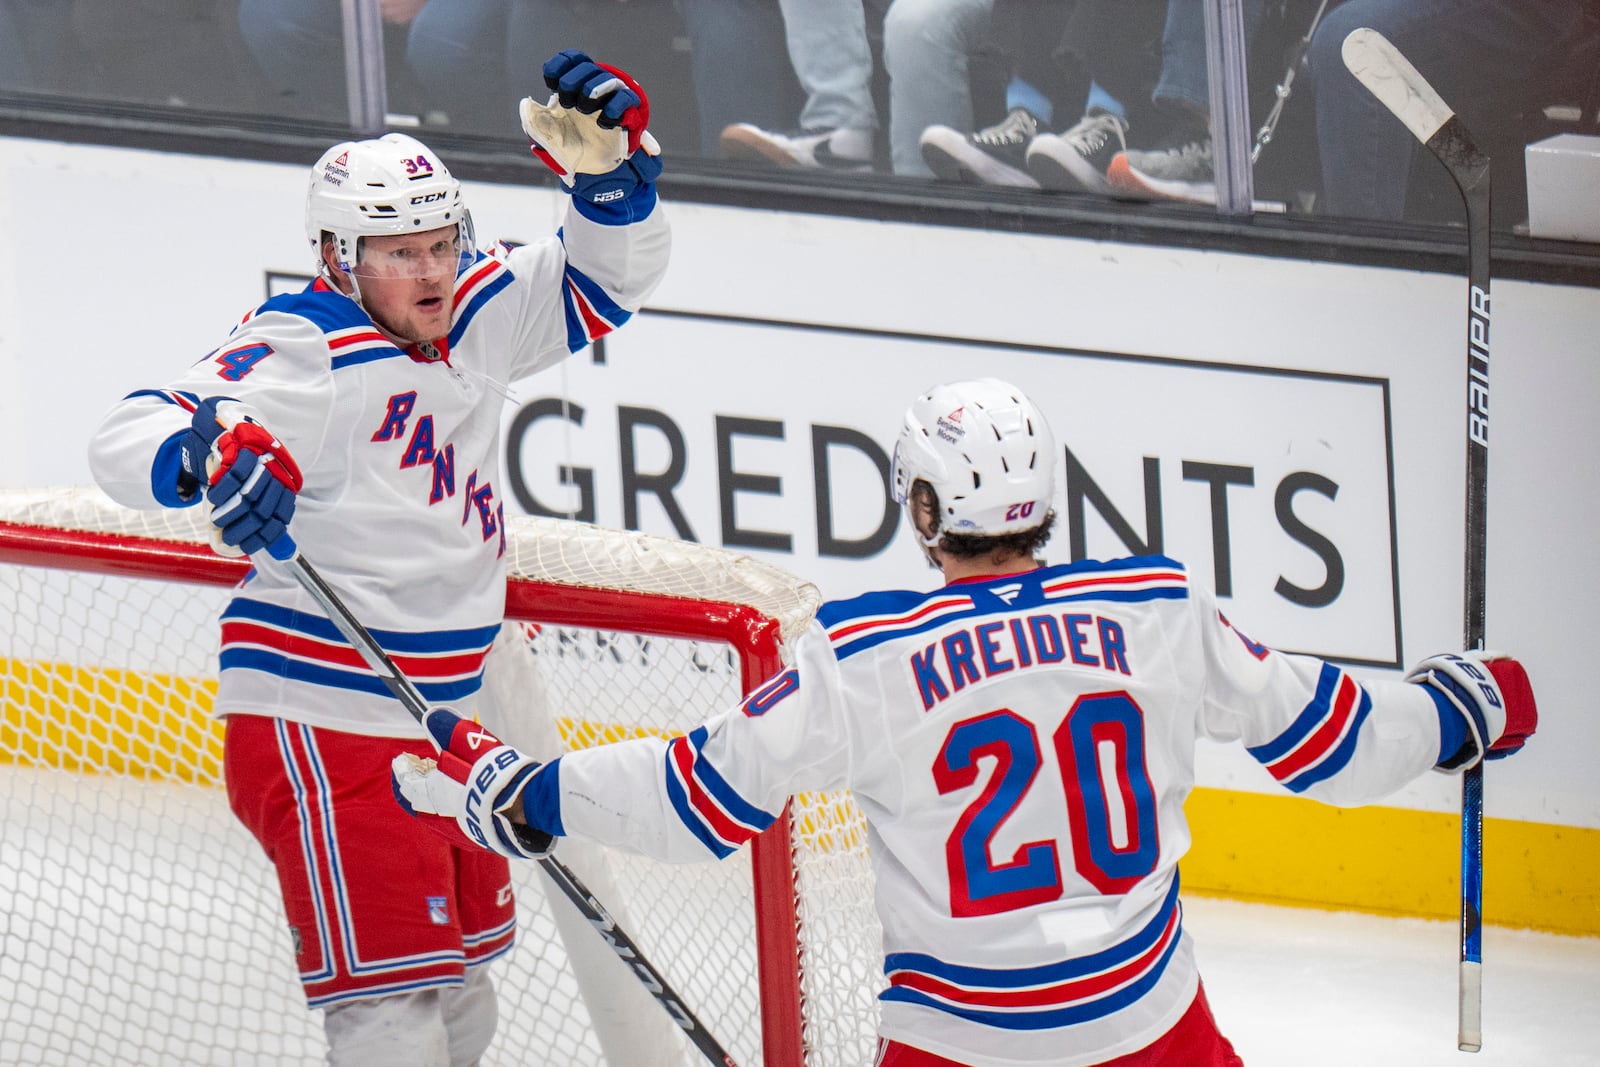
(364, 413)
(1021, 742)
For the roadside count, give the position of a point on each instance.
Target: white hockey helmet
(392, 185)
(987, 453)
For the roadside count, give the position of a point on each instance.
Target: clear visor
(445, 251)
(901, 479)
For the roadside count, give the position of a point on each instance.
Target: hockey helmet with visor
(391, 186)
(986, 452)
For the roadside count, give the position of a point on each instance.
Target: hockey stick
(287, 552)
(1390, 77)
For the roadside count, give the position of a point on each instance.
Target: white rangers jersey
(1021, 747)
(403, 506)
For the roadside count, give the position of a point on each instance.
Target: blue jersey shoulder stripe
(998, 595)
(889, 602)
(885, 602)
(327, 309)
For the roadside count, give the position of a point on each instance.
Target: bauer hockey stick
(1390, 77)
(287, 552)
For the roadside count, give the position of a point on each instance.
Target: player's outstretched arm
(1485, 702)
(592, 133)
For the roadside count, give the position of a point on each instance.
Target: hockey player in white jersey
(363, 415)
(1021, 742)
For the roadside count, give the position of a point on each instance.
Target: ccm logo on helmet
(428, 198)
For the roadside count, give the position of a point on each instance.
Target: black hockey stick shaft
(1394, 81)
(285, 550)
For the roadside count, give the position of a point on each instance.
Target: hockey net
(142, 923)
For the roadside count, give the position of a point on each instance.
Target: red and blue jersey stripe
(1322, 738)
(1042, 997)
(590, 310)
(445, 665)
(476, 286)
(1133, 579)
(867, 621)
(359, 344)
(714, 812)
(873, 619)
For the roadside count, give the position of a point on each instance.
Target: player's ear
(330, 262)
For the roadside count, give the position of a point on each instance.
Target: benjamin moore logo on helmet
(337, 169)
(949, 426)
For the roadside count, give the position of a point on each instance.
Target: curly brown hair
(998, 547)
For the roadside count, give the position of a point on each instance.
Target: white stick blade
(1391, 78)
(1469, 1024)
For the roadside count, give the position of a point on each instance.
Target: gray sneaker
(1078, 158)
(993, 156)
(1183, 172)
(843, 149)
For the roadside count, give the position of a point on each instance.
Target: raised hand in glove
(591, 131)
(251, 477)
(468, 792)
(1491, 693)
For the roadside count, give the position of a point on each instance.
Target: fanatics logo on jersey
(439, 911)
(299, 942)
(1007, 593)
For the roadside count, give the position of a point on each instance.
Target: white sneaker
(1078, 158)
(992, 156)
(844, 149)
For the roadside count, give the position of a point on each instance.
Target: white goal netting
(142, 923)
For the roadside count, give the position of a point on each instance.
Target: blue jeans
(1184, 80)
(831, 56)
(35, 38)
(734, 47)
(1493, 59)
(450, 49)
(925, 48)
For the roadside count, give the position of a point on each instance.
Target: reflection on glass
(1096, 98)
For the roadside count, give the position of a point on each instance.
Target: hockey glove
(1491, 693)
(252, 478)
(466, 792)
(592, 132)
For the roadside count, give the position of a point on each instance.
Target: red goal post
(621, 630)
